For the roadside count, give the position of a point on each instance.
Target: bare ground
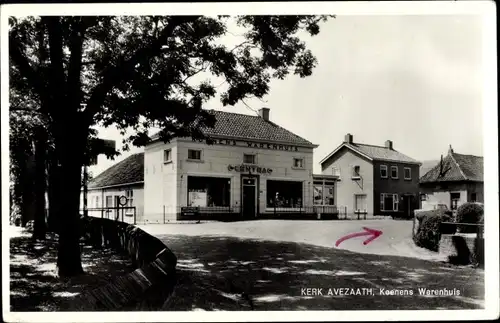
(34, 285)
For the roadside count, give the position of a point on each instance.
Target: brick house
(454, 180)
(373, 180)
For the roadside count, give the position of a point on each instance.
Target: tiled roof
(382, 153)
(129, 170)
(456, 167)
(250, 127)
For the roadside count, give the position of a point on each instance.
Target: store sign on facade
(250, 144)
(249, 169)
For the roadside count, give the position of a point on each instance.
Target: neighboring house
(254, 168)
(454, 180)
(125, 178)
(374, 180)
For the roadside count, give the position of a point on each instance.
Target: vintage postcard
(272, 161)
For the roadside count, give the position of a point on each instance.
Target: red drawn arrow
(368, 232)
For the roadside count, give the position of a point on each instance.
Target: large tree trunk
(67, 191)
(52, 223)
(27, 181)
(39, 229)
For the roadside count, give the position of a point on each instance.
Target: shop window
(473, 197)
(389, 202)
(249, 159)
(298, 163)
(394, 172)
(284, 194)
(194, 154)
(383, 171)
(407, 173)
(208, 191)
(323, 194)
(167, 155)
(97, 201)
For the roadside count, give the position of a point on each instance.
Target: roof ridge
(467, 155)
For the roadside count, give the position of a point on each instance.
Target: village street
(279, 265)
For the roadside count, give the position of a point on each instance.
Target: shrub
(469, 213)
(428, 234)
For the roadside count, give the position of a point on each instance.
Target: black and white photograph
(248, 162)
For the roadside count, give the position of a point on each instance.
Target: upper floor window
(407, 173)
(298, 163)
(249, 159)
(194, 154)
(383, 171)
(355, 171)
(394, 172)
(336, 171)
(473, 197)
(167, 155)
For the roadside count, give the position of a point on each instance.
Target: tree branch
(22, 63)
(57, 76)
(113, 74)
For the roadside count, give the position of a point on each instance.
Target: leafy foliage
(428, 234)
(139, 72)
(469, 213)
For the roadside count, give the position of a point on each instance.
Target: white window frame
(165, 152)
(97, 201)
(191, 159)
(405, 169)
(395, 202)
(382, 167)
(355, 174)
(397, 172)
(298, 167)
(254, 159)
(130, 197)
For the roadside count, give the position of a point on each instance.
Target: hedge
(469, 213)
(428, 234)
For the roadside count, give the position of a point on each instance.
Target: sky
(416, 80)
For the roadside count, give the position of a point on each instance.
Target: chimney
(450, 150)
(264, 113)
(348, 138)
(388, 144)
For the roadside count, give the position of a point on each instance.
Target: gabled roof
(456, 167)
(128, 171)
(248, 127)
(372, 153)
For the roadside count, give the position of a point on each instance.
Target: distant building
(125, 178)
(373, 180)
(453, 181)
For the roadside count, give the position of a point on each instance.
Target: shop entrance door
(249, 196)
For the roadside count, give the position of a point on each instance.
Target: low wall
(148, 286)
(462, 249)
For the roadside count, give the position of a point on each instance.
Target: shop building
(254, 168)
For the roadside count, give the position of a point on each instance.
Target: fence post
(102, 213)
(135, 216)
(164, 214)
